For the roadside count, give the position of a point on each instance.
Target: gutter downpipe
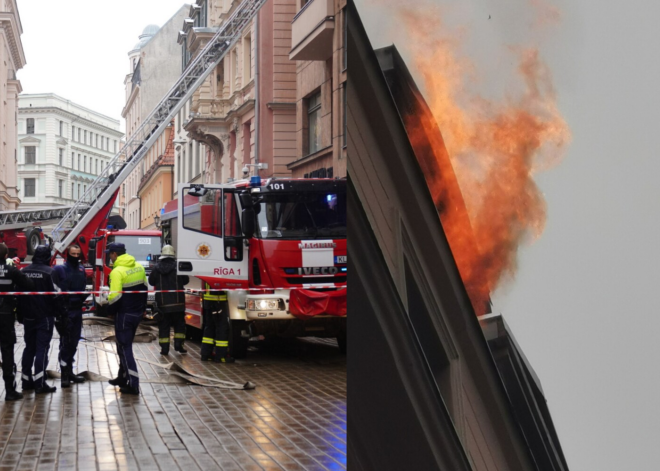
(256, 88)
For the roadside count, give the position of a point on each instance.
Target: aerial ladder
(91, 211)
(20, 230)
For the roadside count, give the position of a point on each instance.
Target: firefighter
(39, 313)
(171, 306)
(70, 276)
(128, 309)
(215, 312)
(11, 279)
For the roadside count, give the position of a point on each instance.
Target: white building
(62, 148)
(12, 59)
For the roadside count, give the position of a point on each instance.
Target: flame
(483, 181)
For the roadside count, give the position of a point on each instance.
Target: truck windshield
(309, 215)
(143, 248)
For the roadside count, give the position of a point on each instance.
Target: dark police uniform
(171, 306)
(11, 279)
(38, 314)
(216, 326)
(70, 278)
(128, 309)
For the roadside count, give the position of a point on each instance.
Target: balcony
(312, 30)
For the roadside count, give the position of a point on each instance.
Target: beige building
(12, 58)
(156, 185)
(318, 44)
(245, 112)
(154, 67)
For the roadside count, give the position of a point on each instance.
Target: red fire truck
(278, 247)
(21, 230)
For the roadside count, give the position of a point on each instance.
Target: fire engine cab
(278, 248)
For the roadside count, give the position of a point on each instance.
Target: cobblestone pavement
(295, 418)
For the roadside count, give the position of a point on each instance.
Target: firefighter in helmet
(171, 306)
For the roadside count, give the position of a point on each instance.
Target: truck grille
(298, 280)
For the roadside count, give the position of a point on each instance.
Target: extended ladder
(118, 169)
(31, 217)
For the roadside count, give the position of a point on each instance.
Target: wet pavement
(294, 419)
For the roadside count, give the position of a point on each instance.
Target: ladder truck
(213, 260)
(21, 230)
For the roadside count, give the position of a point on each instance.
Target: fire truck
(21, 230)
(277, 246)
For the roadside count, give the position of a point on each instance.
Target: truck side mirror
(247, 221)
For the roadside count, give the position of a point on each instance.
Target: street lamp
(157, 221)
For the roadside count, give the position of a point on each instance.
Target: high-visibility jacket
(213, 295)
(127, 276)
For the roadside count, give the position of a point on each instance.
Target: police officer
(70, 276)
(128, 309)
(171, 306)
(38, 313)
(11, 279)
(215, 312)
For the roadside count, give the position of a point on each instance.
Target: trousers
(69, 338)
(216, 330)
(37, 336)
(126, 324)
(7, 341)
(165, 322)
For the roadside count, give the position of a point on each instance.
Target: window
(85, 137)
(30, 126)
(96, 166)
(61, 152)
(73, 160)
(30, 155)
(73, 185)
(247, 59)
(79, 167)
(344, 112)
(115, 146)
(79, 134)
(205, 213)
(29, 184)
(185, 54)
(85, 164)
(97, 141)
(73, 133)
(61, 128)
(79, 194)
(60, 187)
(314, 123)
(200, 19)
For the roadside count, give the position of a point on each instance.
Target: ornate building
(318, 43)
(244, 114)
(12, 58)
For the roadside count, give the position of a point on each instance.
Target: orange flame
(493, 148)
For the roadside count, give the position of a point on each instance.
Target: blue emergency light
(255, 181)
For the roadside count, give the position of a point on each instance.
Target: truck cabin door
(210, 240)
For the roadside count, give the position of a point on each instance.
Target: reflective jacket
(11, 279)
(127, 276)
(164, 277)
(68, 278)
(44, 305)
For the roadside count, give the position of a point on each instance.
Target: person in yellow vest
(128, 309)
(215, 312)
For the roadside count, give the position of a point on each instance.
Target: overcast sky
(79, 50)
(584, 304)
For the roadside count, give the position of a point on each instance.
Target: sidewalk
(295, 418)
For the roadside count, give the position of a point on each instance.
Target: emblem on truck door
(203, 250)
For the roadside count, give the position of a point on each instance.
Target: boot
(74, 378)
(28, 385)
(65, 380)
(118, 382)
(129, 390)
(164, 350)
(13, 395)
(178, 346)
(45, 389)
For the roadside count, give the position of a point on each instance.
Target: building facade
(62, 148)
(12, 59)
(244, 114)
(153, 68)
(318, 44)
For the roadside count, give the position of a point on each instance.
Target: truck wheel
(33, 241)
(239, 344)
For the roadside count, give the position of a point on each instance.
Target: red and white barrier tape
(187, 291)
